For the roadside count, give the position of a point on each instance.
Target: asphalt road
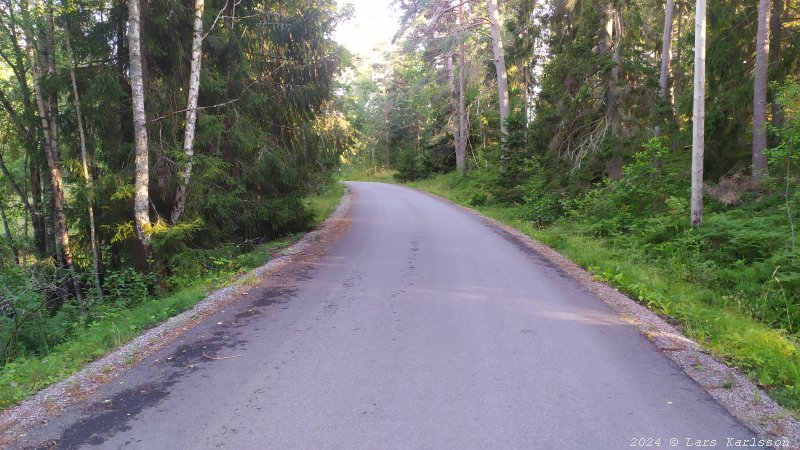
(422, 327)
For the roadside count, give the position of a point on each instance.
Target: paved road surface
(423, 327)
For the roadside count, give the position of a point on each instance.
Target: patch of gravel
(49, 402)
(732, 389)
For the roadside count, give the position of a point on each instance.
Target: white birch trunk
(141, 206)
(191, 112)
(48, 116)
(698, 116)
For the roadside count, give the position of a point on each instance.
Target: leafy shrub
(127, 287)
(412, 165)
(620, 206)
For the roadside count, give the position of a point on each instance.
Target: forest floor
(27, 376)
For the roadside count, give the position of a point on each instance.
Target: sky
(373, 23)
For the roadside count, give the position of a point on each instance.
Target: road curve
(422, 327)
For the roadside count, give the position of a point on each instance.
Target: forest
(145, 145)
(577, 122)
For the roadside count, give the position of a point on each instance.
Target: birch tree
(40, 47)
(191, 112)
(698, 116)
(141, 206)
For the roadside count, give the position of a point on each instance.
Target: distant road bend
(423, 326)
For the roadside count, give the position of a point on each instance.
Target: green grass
(325, 203)
(115, 327)
(769, 356)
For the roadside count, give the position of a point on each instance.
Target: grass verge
(24, 377)
(769, 356)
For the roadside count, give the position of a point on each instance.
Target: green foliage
(411, 166)
(127, 287)
(620, 206)
(325, 202)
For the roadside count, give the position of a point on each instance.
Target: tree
(14, 25)
(191, 111)
(776, 54)
(40, 42)
(502, 80)
(698, 122)
(760, 75)
(87, 176)
(141, 209)
(463, 132)
(666, 49)
(455, 114)
(9, 236)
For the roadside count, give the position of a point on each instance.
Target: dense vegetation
(267, 134)
(596, 159)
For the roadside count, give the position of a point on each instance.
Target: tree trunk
(614, 90)
(26, 215)
(416, 129)
(8, 233)
(698, 117)
(760, 78)
(612, 39)
(37, 200)
(677, 81)
(776, 53)
(607, 36)
(31, 207)
(48, 115)
(87, 176)
(502, 81)
(191, 112)
(386, 128)
(461, 149)
(451, 83)
(141, 206)
(19, 67)
(666, 49)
